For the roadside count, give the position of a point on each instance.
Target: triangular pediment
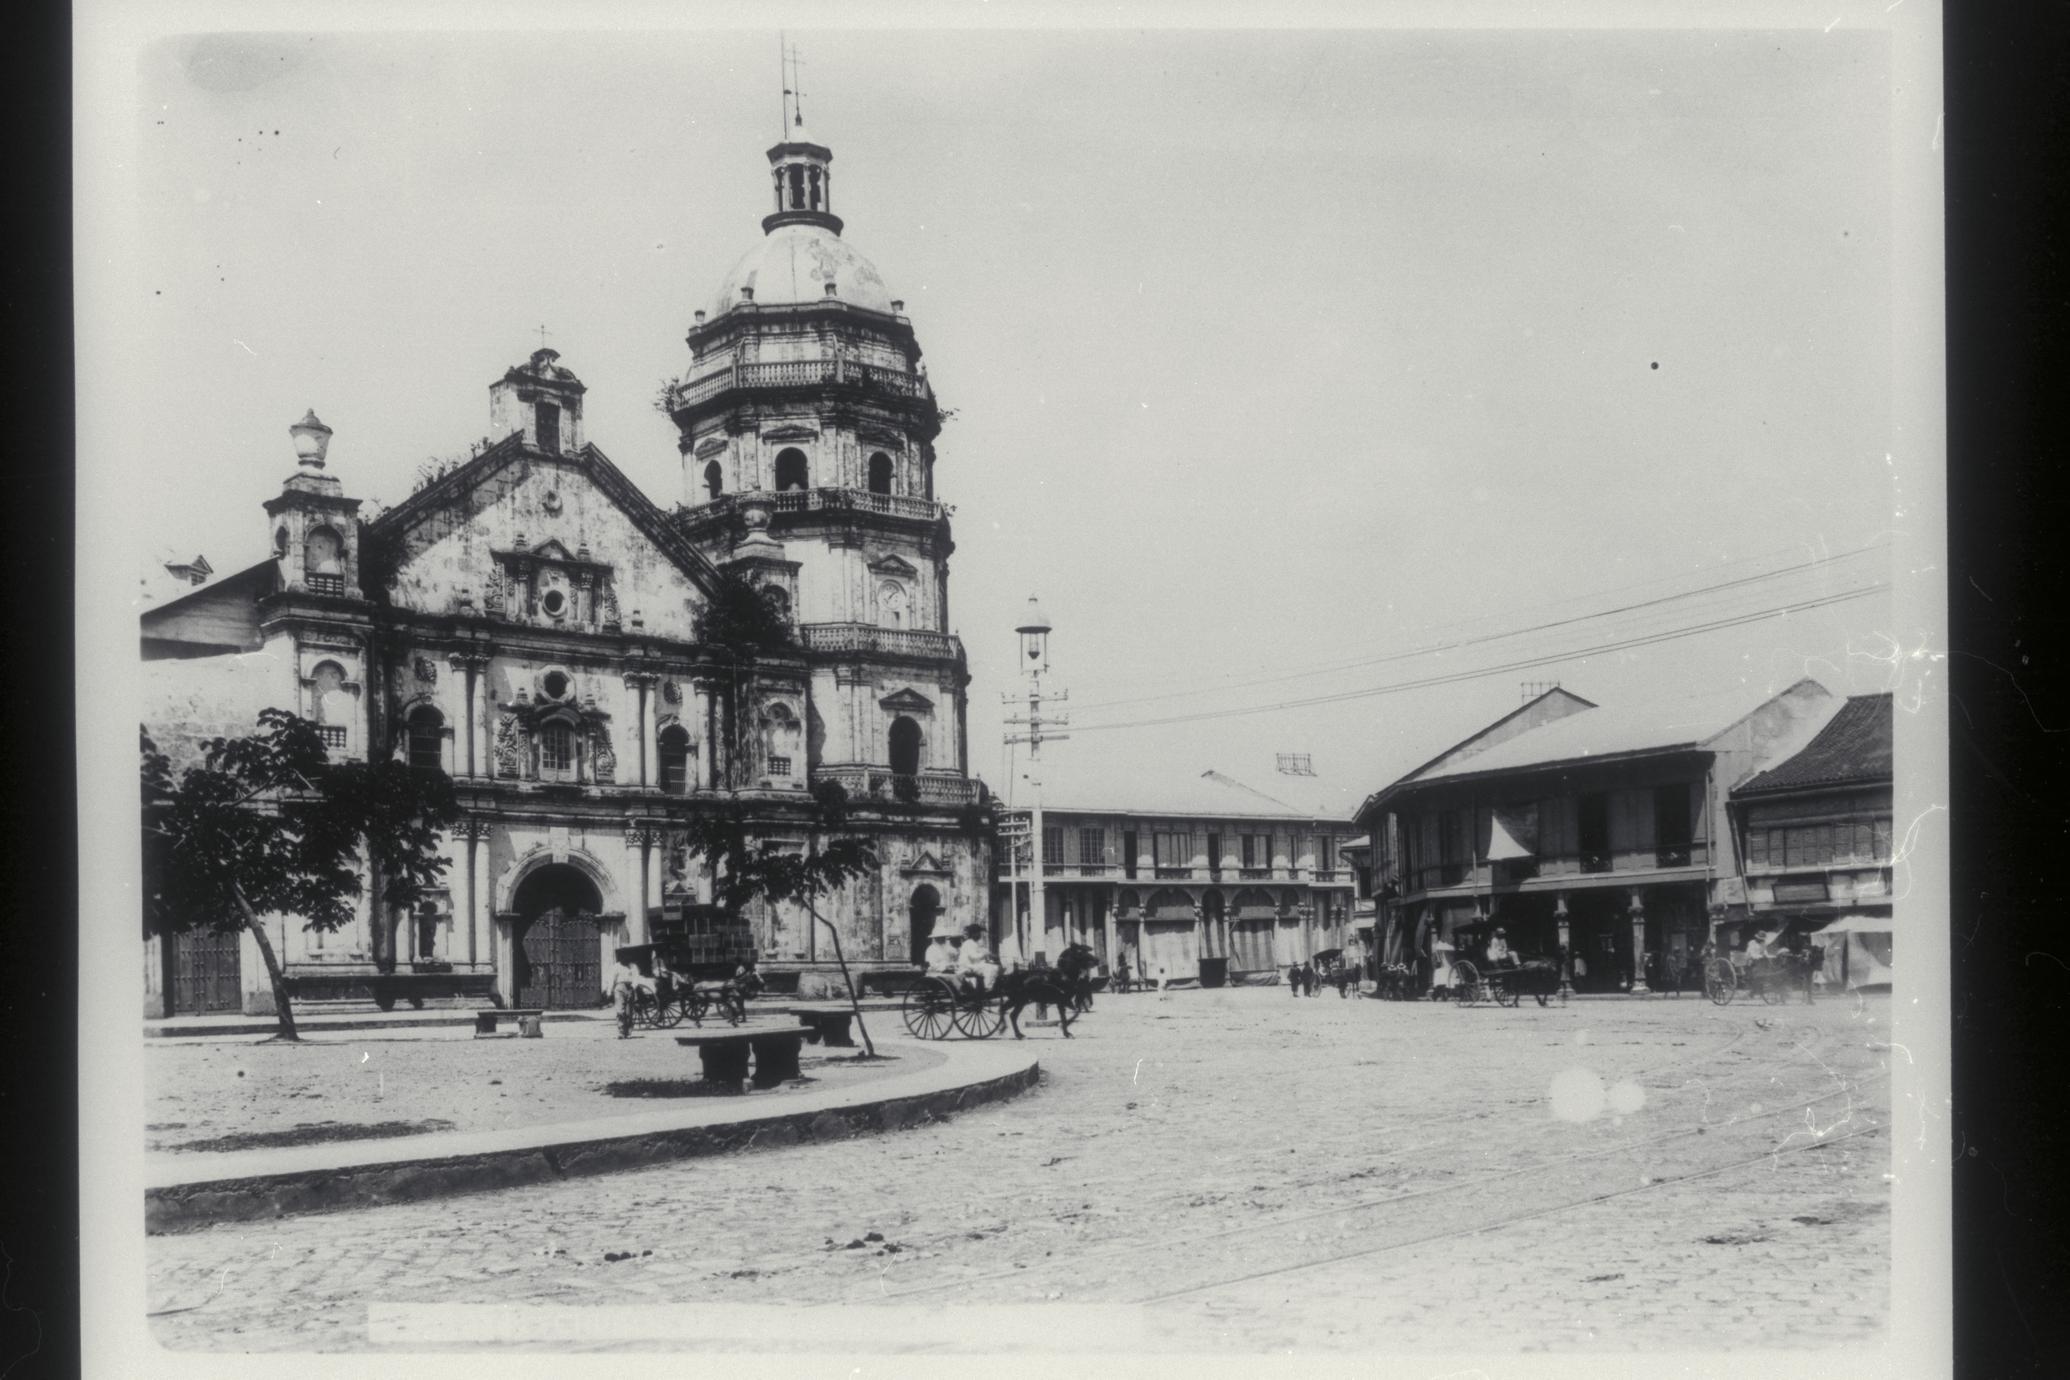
(926, 865)
(894, 565)
(908, 699)
(514, 498)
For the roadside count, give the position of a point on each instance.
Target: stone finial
(312, 440)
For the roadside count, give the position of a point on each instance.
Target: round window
(554, 602)
(556, 685)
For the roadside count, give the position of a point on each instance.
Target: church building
(529, 622)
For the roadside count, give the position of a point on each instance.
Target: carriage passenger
(941, 959)
(1499, 955)
(974, 960)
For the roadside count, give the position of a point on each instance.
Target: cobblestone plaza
(1253, 1172)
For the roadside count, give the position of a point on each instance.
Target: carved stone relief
(510, 747)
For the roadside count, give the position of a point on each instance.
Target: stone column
(1638, 914)
(639, 846)
(1561, 918)
(473, 758)
(641, 683)
(476, 833)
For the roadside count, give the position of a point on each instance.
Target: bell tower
(807, 425)
(315, 527)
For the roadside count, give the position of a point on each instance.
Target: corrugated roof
(1853, 748)
(1658, 726)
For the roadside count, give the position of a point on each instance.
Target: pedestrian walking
(1163, 990)
(625, 980)
(1293, 979)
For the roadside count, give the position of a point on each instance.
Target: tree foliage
(746, 869)
(740, 622)
(268, 823)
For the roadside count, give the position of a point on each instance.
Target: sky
(1284, 364)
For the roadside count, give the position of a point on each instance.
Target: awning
(1857, 924)
(1511, 832)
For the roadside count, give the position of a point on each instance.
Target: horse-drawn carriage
(1502, 982)
(939, 1003)
(1774, 978)
(700, 963)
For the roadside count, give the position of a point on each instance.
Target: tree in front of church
(267, 823)
(746, 869)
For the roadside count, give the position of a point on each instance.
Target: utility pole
(1034, 633)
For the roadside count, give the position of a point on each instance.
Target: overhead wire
(1303, 673)
(1530, 663)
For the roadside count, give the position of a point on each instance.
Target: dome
(794, 263)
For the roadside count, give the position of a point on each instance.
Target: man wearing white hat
(974, 959)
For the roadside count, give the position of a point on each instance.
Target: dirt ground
(1241, 1171)
(239, 1093)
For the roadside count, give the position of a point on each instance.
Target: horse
(1059, 987)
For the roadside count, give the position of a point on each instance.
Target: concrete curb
(320, 1023)
(370, 1174)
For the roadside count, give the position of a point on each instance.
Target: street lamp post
(1034, 634)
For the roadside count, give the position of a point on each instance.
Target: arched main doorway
(926, 907)
(555, 942)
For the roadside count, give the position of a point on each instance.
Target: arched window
(280, 546)
(790, 469)
(880, 473)
(427, 737)
(557, 752)
(674, 748)
(323, 566)
(905, 747)
(714, 480)
(781, 734)
(329, 704)
(891, 605)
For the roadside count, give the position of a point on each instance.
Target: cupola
(315, 526)
(803, 181)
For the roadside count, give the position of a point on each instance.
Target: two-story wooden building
(1597, 834)
(1197, 876)
(1816, 832)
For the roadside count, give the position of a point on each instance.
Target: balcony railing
(324, 584)
(856, 500)
(1512, 871)
(876, 783)
(865, 638)
(800, 373)
(1170, 872)
(818, 501)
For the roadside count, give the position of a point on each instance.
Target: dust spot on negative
(1577, 1094)
(1656, 364)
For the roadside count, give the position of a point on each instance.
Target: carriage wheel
(981, 1020)
(671, 1012)
(1719, 981)
(929, 1009)
(1772, 991)
(693, 1004)
(1508, 993)
(1466, 982)
(643, 1008)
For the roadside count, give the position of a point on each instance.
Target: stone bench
(725, 1055)
(829, 1025)
(527, 1019)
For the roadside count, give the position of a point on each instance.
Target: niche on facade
(547, 585)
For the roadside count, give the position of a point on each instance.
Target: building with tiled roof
(1815, 829)
(1592, 834)
(1205, 875)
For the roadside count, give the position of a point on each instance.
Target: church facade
(530, 623)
